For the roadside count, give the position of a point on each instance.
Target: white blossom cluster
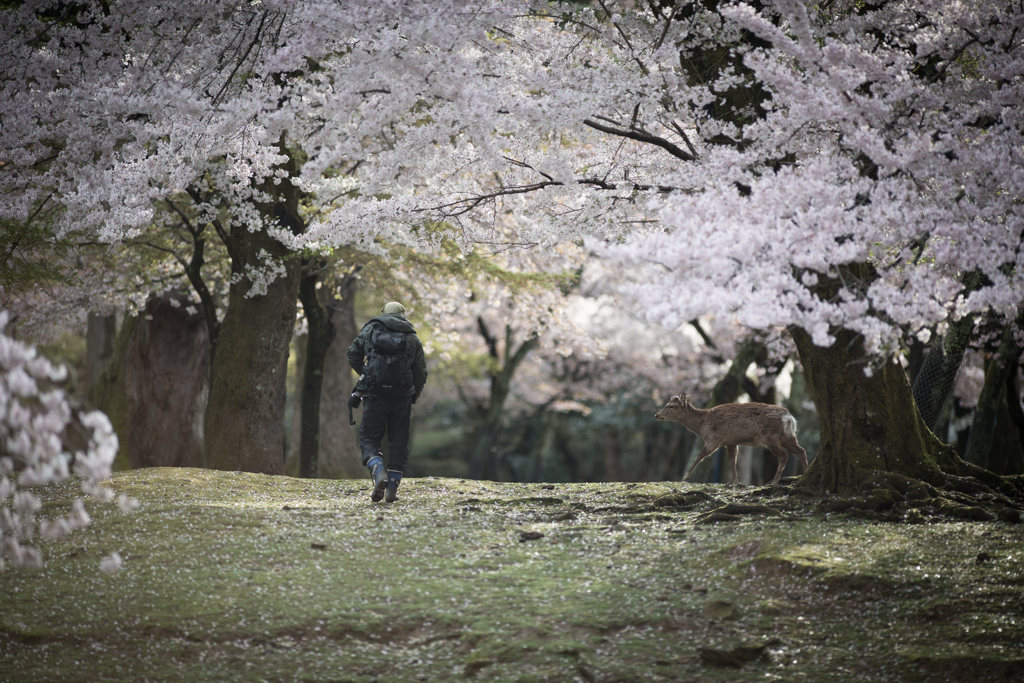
(34, 418)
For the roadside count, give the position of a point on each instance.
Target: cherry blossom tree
(239, 122)
(839, 169)
(848, 171)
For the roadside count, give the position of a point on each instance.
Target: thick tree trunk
(339, 448)
(869, 425)
(99, 342)
(245, 418)
(154, 389)
(107, 392)
(318, 339)
(166, 379)
(992, 411)
(291, 461)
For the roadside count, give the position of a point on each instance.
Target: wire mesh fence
(937, 377)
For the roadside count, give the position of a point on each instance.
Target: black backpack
(387, 371)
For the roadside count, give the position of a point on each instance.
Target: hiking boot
(391, 492)
(379, 476)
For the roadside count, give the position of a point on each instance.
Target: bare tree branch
(643, 136)
(461, 207)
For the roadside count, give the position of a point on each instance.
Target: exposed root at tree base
(889, 497)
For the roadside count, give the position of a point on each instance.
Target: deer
(737, 424)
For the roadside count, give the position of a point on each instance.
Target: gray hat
(393, 307)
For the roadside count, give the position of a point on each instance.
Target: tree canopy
(843, 175)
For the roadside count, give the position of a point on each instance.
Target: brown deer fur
(737, 424)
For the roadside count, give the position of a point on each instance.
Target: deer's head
(674, 409)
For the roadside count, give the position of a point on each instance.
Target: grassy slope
(222, 582)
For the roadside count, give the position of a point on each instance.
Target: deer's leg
(783, 457)
(705, 452)
(733, 452)
(793, 447)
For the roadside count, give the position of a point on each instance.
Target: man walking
(388, 356)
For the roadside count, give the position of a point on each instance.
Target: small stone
(914, 517)
(720, 609)
(285, 642)
(1009, 515)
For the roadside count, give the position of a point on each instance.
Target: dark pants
(386, 415)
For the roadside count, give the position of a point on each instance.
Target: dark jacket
(413, 348)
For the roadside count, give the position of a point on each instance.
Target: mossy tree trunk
(318, 338)
(339, 449)
(993, 421)
(107, 393)
(868, 424)
(245, 418)
(166, 382)
(248, 388)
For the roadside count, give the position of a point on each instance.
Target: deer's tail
(789, 425)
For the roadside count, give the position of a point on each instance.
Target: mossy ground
(243, 577)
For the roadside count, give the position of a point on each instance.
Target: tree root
(970, 494)
(733, 511)
(687, 499)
